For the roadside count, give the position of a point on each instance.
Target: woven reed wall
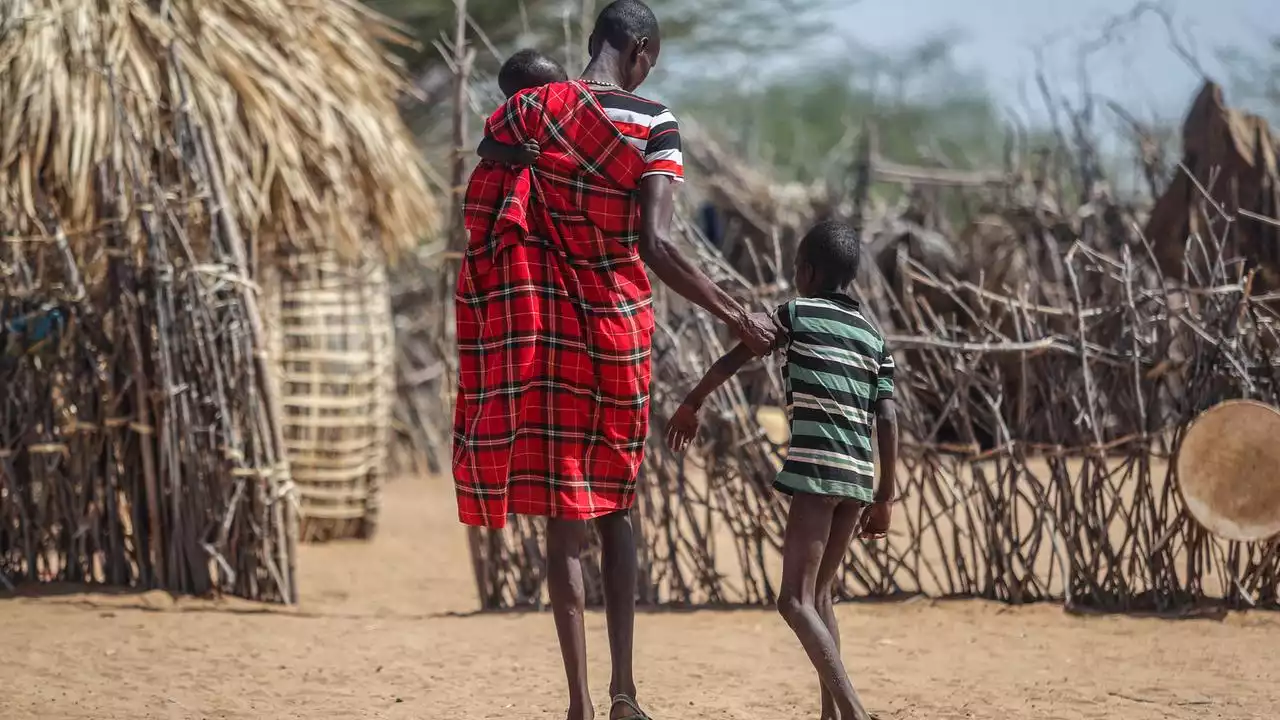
(1037, 461)
(332, 339)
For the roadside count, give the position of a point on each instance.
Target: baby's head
(827, 259)
(529, 69)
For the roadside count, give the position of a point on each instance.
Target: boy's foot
(625, 708)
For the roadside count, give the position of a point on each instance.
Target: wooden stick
(463, 56)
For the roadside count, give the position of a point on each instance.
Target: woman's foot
(625, 707)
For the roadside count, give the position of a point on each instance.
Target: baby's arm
(503, 154)
(683, 427)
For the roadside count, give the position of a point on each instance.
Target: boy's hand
(682, 428)
(527, 153)
(875, 525)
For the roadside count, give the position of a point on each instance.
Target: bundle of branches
(152, 153)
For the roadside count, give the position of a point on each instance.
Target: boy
(526, 69)
(839, 375)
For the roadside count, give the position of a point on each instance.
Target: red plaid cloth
(554, 319)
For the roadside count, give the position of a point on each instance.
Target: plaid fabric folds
(553, 319)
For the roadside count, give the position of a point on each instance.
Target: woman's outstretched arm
(657, 206)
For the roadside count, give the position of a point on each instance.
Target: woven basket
(1228, 470)
(332, 335)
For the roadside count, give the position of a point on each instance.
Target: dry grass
(298, 99)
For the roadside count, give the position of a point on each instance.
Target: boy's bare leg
(809, 525)
(565, 541)
(844, 525)
(618, 565)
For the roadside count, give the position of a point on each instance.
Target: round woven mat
(1229, 470)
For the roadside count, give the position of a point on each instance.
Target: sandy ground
(385, 632)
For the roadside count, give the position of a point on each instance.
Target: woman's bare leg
(809, 525)
(618, 566)
(565, 541)
(844, 525)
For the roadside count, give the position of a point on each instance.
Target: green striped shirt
(837, 368)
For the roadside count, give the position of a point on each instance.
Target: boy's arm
(723, 369)
(886, 426)
(879, 515)
(683, 426)
(503, 154)
(876, 520)
(887, 444)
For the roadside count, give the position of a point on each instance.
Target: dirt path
(379, 636)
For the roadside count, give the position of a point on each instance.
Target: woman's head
(628, 29)
(827, 258)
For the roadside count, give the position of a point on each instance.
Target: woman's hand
(758, 332)
(682, 428)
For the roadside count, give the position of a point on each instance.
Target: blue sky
(1000, 37)
(998, 41)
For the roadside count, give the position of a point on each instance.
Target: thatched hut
(153, 156)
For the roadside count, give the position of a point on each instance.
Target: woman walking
(555, 322)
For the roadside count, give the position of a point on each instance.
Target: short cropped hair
(529, 68)
(833, 250)
(625, 21)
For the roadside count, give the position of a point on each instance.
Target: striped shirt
(837, 367)
(648, 126)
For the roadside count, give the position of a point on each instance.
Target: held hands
(682, 428)
(758, 332)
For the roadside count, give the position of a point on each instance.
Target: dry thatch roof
(297, 97)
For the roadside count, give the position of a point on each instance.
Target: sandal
(630, 702)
